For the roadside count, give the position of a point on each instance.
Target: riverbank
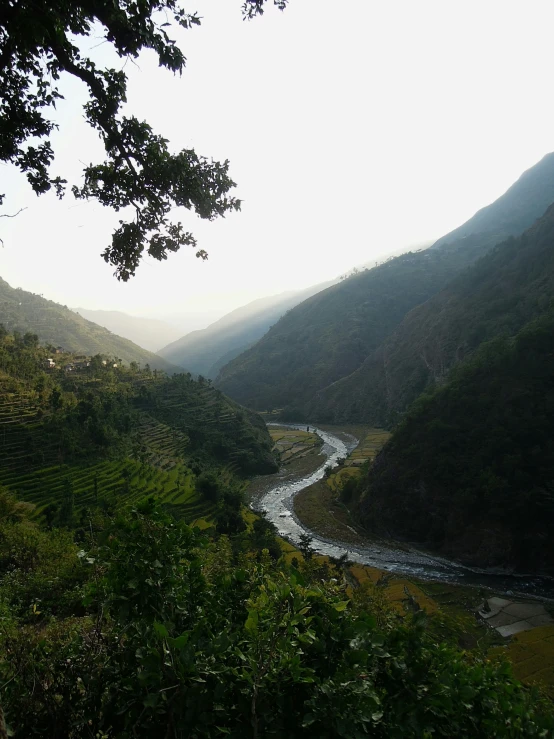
(275, 494)
(404, 577)
(323, 506)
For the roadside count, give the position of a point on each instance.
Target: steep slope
(148, 333)
(329, 335)
(524, 202)
(318, 343)
(205, 351)
(117, 433)
(470, 470)
(55, 324)
(506, 288)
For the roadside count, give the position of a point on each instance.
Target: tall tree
(40, 40)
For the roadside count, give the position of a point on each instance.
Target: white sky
(353, 128)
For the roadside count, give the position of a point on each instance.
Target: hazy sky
(353, 128)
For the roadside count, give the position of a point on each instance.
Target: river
(277, 505)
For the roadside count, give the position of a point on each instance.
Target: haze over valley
(285, 465)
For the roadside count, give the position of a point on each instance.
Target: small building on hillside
(49, 364)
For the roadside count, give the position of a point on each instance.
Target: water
(277, 504)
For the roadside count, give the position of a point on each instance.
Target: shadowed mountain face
(304, 362)
(502, 291)
(55, 324)
(330, 335)
(470, 470)
(149, 333)
(204, 352)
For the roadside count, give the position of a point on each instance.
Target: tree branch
(12, 215)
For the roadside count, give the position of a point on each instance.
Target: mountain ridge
(496, 295)
(204, 351)
(149, 333)
(286, 369)
(56, 324)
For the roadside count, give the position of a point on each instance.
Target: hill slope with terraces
(107, 435)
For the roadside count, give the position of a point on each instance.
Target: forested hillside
(329, 336)
(470, 470)
(89, 432)
(206, 351)
(299, 364)
(496, 296)
(55, 324)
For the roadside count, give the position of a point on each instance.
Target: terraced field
(114, 481)
(368, 448)
(293, 444)
(320, 507)
(21, 444)
(532, 655)
(83, 434)
(25, 448)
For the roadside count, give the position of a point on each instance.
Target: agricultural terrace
(323, 507)
(291, 444)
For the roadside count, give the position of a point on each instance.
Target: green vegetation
(149, 628)
(55, 324)
(469, 471)
(361, 351)
(497, 296)
(89, 434)
(329, 335)
(326, 506)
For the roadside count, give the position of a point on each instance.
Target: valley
(416, 500)
(290, 473)
(307, 509)
(277, 500)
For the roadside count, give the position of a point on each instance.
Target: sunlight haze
(353, 130)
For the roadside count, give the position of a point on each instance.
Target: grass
(318, 509)
(319, 506)
(162, 472)
(117, 481)
(293, 444)
(532, 656)
(400, 592)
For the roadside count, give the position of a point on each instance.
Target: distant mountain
(55, 324)
(149, 333)
(205, 351)
(470, 470)
(299, 365)
(519, 207)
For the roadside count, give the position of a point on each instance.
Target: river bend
(277, 505)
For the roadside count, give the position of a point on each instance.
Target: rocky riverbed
(274, 496)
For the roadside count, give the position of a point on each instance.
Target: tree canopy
(40, 42)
